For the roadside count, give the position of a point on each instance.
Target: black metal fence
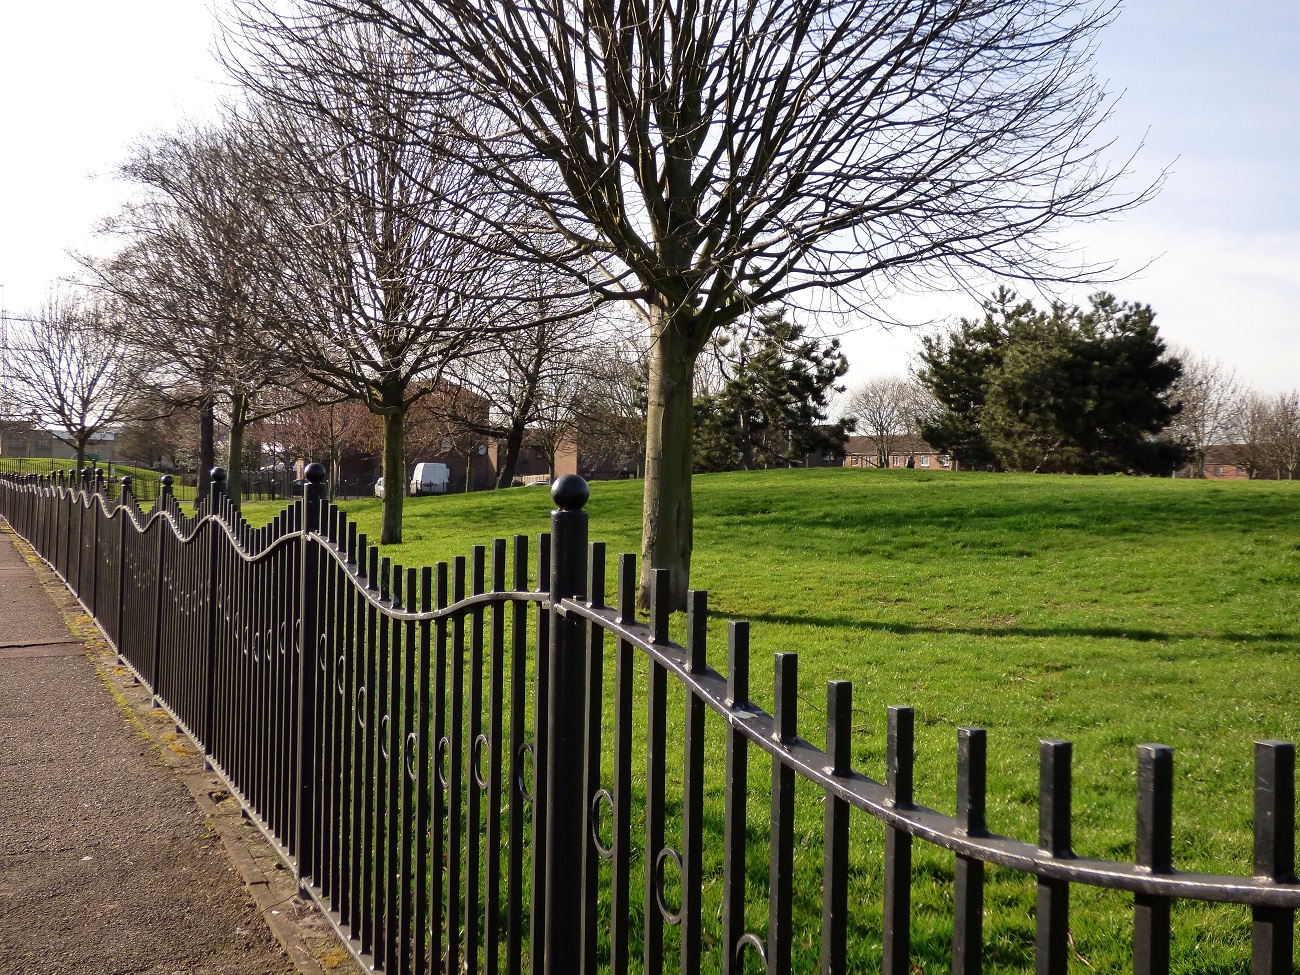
(279, 484)
(145, 485)
(444, 757)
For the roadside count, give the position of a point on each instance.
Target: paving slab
(118, 852)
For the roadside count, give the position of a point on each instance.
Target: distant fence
(427, 749)
(257, 485)
(145, 486)
(283, 485)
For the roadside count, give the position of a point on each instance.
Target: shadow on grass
(1093, 632)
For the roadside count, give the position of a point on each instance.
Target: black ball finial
(219, 475)
(166, 480)
(570, 492)
(315, 473)
(126, 480)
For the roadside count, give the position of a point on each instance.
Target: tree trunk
(390, 532)
(235, 461)
(746, 442)
(666, 534)
(514, 441)
(207, 448)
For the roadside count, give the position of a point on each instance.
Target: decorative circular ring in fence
(282, 642)
(672, 918)
(749, 941)
(256, 648)
(340, 683)
(440, 761)
(525, 748)
(384, 725)
(410, 747)
(361, 706)
(324, 656)
(605, 851)
(476, 760)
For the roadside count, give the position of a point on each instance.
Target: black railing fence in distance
(465, 781)
(145, 485)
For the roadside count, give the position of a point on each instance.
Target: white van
(430, 479)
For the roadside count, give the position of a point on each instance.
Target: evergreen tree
(770, 408)
(956, 365)
(1072, 390)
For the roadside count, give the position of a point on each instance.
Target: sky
(1208, 90)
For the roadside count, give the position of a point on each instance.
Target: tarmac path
(109, 862)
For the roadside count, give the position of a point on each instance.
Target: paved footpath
(118, 853)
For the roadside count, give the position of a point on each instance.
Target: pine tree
(1071, 390)
(771, 406)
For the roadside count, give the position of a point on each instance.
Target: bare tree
(160, 433)
(887, 408)
(1252, 430)
(387, 281)
(1208, 395)
(702, 160)
(199, 270)
(324, 430)
(611, 426)
(1283, 442)
(70, 369)
(529, 376)
(560, 405)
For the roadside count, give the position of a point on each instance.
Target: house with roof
(907, 450)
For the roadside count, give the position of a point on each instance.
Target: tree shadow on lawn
(1136, 634)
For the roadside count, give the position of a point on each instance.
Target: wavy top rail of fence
(463, 784)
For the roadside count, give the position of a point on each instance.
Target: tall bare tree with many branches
(70, 368)
(1208, 395)
(704, 159)
(387, 280)
(198, 271)
(529, 377)
(888, 408)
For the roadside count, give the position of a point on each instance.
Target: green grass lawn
(1107, 611)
